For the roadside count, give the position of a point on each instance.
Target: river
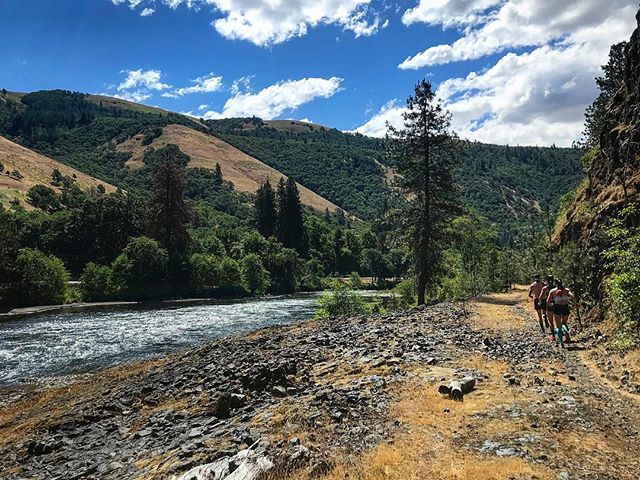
(81, 341)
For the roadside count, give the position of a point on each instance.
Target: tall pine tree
(424, 152)
(290, 221)
(169, 213)
(265, 210)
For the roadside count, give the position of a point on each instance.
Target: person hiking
(561, 297)
(547, 310)
(535, 289)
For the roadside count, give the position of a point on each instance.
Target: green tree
(265, 210)
(290, 221)
(169, 213)
(142, 265)
(255, 277)
(230, 276)
(44, 198)
(217, 175)
(423, 151)
(96, 283)
(608, 85)
(42, 278)
(205, 271)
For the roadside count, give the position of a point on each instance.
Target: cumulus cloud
(267, 22)
(147, 12)
(149, 79)
(510, 24)
(274, 100)
(376, 126)
(136, 96)
(449, 13)
(205, 84)
(533, 98)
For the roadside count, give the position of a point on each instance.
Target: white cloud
(390, 113)
(136, 96)
(204, 106)
(448, 13)
(305, 120)
(241, 84)
(511, 24)
(149, 79)
(532, 98)
(147, 12)
(205, 84)
(267, 22)
(274, 100)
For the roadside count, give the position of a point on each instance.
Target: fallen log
(457, 389)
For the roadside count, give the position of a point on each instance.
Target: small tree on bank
(423, 151)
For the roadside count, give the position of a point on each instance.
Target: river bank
(329, 398)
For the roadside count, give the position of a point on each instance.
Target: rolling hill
(106, 138)
(243, 171)
(24, 168)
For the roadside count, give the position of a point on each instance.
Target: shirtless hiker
(535, 289)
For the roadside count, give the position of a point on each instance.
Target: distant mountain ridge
(336, 169)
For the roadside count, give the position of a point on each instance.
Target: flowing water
(73, 342)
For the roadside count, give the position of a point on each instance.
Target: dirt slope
(245, 172)
(35, 169)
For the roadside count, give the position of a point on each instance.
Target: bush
(404, 294)
(342, 300)
(205, 271)
(42, 278)
(255, 278)
(96, 282)
(355, 281)
(141, 265)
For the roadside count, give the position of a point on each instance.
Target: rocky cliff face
(614, 172)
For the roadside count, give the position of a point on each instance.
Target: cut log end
(457, 389)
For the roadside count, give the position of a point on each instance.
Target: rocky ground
(341, 398)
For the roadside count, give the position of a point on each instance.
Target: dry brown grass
(245, 172)
(36, 169)
(428, 450)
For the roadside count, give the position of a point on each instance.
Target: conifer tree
(265, 210)
(168, 211)
(217, 175)
(290, 221)
(424, 153)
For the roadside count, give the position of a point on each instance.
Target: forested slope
(505, 184)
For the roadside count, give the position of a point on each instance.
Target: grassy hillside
(106, 138)
(244, 172)
(23, 168)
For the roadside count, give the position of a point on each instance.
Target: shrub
(255, 278)
(355, 281)
(42, 278)
(141, 265)
(342, 300)
(96, 282)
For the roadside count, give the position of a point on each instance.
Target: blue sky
(509, 70)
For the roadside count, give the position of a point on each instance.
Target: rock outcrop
(614, 171)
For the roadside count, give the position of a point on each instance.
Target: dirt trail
(533, 417)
